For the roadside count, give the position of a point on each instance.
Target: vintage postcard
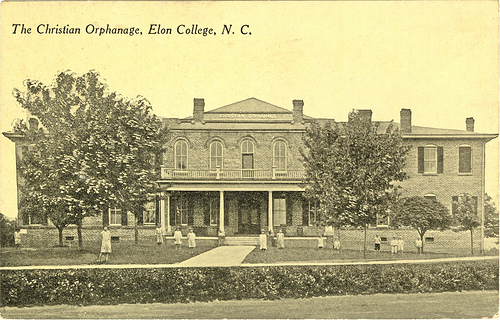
(244, 153)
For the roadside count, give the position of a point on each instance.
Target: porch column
(169, 228)
(221, 211)
(162, 212)
(270, 211)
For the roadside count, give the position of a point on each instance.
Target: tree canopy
(490, 217)
(95, 148)
(466, 215)
(421, 214)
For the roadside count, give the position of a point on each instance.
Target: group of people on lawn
(397, 245)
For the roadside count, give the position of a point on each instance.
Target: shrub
(171, 285)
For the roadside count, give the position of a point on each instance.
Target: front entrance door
(248, 217)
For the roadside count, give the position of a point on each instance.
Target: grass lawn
(273, 254)
(123, 253)
(448, 305)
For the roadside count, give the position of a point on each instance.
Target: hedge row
(170, 285)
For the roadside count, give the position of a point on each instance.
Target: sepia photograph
(249, 160)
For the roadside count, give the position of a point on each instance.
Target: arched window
(215, 155)
(279, 155)
(247, 150)
(181, 155)
(430, 196)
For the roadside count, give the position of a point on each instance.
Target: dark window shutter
(440, 159)
(206, 210)
(190, 213)
(157, 210)
(305, 212)
(475, 205)
(226, 214)
(289, 208)
(464, 160)
(105, 218)
(172, 211)
(420, 159)
(124, 217)
(454, 205)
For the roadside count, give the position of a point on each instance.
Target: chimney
(405, 120)
(298, 110)
(364, 115)
(199, 109)
(469, 124)
(34, 124)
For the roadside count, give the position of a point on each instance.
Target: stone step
(241, 241)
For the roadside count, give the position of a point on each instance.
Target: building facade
(237, 170)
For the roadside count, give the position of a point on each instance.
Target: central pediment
(248, 106)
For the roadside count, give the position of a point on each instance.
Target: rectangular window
(279, 212)
(149, 214)
(464, 160)
(181, 211)
(430, 160)
(382, 221)
(115, 216)
(313, 208)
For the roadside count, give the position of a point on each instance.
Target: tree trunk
(364, 243)
(60, 230)
(79, 232)
(136, 231)
(422, 239)
(472, 242)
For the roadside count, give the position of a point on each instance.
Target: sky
(439, 59)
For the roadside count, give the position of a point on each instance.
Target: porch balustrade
(237, 174)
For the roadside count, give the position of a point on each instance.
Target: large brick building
(237, 170)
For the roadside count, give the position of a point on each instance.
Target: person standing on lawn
(159, 235)
(394, 245)
(191, 236)
(263, 240)
(401, 244)
(281, 239)
(336, 245)
(177, 238)
(105, 244)
(321, 242)
(418, 245)
(17, 238)
(378, 241)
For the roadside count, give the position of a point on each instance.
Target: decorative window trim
(212, 143)
(247, 140)
(284, 157)
(182, 155)
(430, 196)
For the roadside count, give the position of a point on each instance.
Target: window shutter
(305, 212)
(475, 204)
(157, 210)
(439, 159)
(124, 217)
(172, 211)
(464, 160)
(226, 214)
(206, 213)
(289, 208)
(454, 205)
(190, 214)
(420, 159)
(105, 218)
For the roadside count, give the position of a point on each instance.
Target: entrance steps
(242, 241)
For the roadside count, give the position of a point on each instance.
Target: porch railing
(237, 174)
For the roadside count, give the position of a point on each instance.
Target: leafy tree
(421, 214)
(466, 215)
(107, 148)
(490, 217)
(7, 228)
(350, 170)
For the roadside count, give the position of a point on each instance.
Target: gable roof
(250, 105)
